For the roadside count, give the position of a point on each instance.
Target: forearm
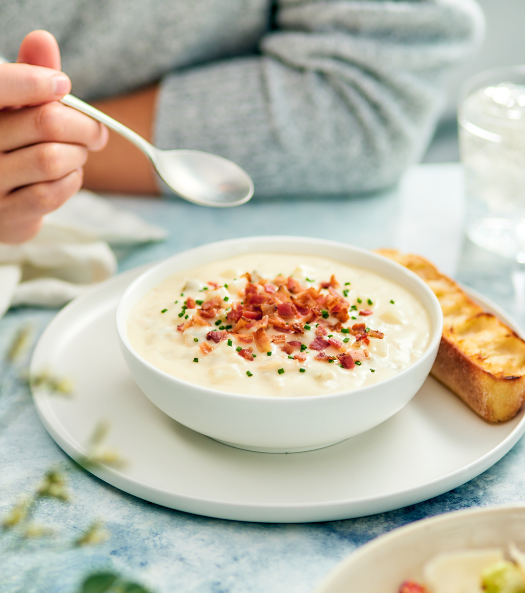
(121, 167)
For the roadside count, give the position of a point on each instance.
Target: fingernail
(61, 85)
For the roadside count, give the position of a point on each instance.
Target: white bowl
(383, 564)
(284, 424)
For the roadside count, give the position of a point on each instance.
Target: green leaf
(134, 588)
(98, 583)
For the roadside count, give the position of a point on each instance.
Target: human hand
(43, 143)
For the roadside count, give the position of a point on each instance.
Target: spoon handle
(137, 140)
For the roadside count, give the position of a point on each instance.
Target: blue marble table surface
(168, 551)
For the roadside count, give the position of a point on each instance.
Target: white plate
(402, 553)
(433, 445)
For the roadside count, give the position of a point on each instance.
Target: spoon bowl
(199, 177)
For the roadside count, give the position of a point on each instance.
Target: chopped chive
(280, 371)
(345, 292)
(176, 302)
(228, 326)
(316, 325)
(221, 326)
(330, 360)
(238, 348)
(346, 340)
(353, 308)
(268, 354)
(358, 363)
(181, 313)
(359, 300)
(181, 294)
(199, 302)
(302, 370)
(186, 316)
(307, 327)
(392, 302)
(195, 360)
(354, 317)
(370, 301)
(254, 355)
(308, 280)
(367, 329)
(347, 283)
(330, 335)
(250, 374)
(218, 322)
(163, 310)
(303, 347)
(345, 330)
(372, 370)
(290, 356)
(225, 286)
(325, 314)
(230, 343)
(226, 299)
(195, 339)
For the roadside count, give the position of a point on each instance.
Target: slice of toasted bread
(480, 358)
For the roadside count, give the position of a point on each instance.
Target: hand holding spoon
(199, 177)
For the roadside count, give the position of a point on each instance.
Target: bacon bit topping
(360, 354)
(235, 313)
(335, 343)
(286, 310)
(205, 348)
(293, 286)
(217, 336)
(332, 284)
(278, 338)
(295, 343)
(245, 338)
(246, 353)
(251, 314)
(412, 587)
(374, 333)
(319, 344)
(214, 285)
(279, 323)
(346, 360)
(324, 357)
(289, 347)
(284, 305)
(262, 341)
(283, 295)
(198, 320)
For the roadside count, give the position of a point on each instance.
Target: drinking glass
(491, 120)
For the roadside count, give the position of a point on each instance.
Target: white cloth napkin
(70, 253)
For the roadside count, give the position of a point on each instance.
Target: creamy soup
(279, 325)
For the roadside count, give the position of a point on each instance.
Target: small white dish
(279, 424)
(384, 563)
(171, 465)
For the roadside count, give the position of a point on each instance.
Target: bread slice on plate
(480, 358)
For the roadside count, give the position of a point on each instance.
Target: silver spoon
(198, 177)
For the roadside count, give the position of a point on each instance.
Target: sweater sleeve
(343, 97)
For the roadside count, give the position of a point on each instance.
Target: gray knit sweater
(309, 96)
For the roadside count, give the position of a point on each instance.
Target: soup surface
(280, 325)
